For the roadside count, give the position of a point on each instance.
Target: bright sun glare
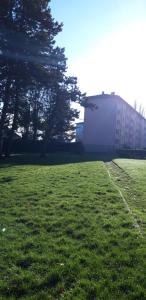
(117, 64)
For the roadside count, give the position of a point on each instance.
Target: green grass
(134, 184)
(65, 232)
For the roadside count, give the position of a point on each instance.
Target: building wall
(113, 125)
(130, 126)
(99, 124)
(79, 131)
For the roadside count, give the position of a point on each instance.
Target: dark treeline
(35, 92)
(22, 146)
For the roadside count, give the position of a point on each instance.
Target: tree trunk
(35, 125)
(44, 147)
(44, 143)
(14, 127)
(26, 133)
(35, 115)
(26, 124)
(4, 113)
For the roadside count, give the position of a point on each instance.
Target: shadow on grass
(55, 159)
(6, 179)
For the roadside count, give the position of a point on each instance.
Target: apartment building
(79, 131)
(113, 124)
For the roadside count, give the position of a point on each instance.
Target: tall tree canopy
(35, 92)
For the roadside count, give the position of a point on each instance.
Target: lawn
(134, 185)
(65, 232)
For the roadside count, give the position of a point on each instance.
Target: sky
(105, 43)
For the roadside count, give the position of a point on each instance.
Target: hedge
(132, 153)
(21, 146)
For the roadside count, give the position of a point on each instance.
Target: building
(79, 131)
(114, 124)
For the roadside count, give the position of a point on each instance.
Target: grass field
(133, 184)
(65, 232)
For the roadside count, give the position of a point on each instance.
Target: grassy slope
(65, 234)
(135, 188)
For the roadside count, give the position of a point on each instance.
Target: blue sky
(105, 42)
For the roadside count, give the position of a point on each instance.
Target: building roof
(113, 95)
(80, 123)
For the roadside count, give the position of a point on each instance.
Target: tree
(35, 91)
(139, 108)
(58, 115)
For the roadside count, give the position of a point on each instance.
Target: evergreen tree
(35, 92)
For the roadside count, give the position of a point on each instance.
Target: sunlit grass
(67, 233)
(133, 183)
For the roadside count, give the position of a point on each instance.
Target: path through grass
(65, 233)
(131, 177)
